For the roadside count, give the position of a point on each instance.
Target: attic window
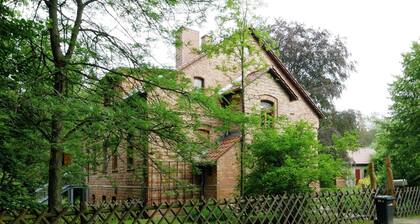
(204, 133)
(198, 83)
(267, 113)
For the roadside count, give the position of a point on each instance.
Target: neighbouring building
(359, 161)
(274, 91)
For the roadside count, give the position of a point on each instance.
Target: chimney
(190, 41)
(206, 39)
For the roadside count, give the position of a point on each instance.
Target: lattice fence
(408, 201)
(351, 206)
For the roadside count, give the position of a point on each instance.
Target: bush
(286, 159)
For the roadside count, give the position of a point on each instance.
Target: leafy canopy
(285, 160)
(320, 61)
(398, 135)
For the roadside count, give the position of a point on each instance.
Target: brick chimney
(190, 41)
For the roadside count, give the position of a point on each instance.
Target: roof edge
(291, 78)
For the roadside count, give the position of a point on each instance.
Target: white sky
(376, 33)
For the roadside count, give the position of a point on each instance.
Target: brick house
(273, 90)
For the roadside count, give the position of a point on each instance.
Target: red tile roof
(223, 147)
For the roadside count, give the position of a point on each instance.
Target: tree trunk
(241, 184)
(55, 179)
(56, 152)
(60, 61)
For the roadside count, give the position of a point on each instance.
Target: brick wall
(228, 173)
(223, 180)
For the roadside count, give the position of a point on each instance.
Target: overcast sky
(376, 33)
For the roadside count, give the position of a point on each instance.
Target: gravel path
(415, 220)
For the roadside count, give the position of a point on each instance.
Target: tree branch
(77, 126)
(75, 29)
(54, 32)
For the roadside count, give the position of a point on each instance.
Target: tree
(289, 158)
(337, 123)
(320, 61)
(66, 107)
(22, 167)
(398, 135)
(285, 160)
(234, 41)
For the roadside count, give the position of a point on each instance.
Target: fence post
(83, 205)
(390, 188)
(372, 176)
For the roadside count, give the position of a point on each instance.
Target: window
(198, 83)
(204, 134)
(114, 199)
(93, 198)
(233, 101)
(267, 113)
(105, 155)
(114, 162)
(130, 152)
(104, 198)
(94, 164)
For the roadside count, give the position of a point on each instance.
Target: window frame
(114, 162)
(130, 153)
(265, 111)
(201, 80)
(207, 132)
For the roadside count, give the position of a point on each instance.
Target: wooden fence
(344, 206)
(408, 201)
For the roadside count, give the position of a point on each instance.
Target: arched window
(198, 83)
(93, 198)
(267, 113)
(204, 133)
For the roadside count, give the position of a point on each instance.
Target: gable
(289, 82)
(205, 67)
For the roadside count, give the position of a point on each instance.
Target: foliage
(320, 61)
(330, 167)
(333, 161)
(337, 123)
(23, 160)
(348, 142)
(61, 89)
(285, 160)
(234, 43)
(398, 135)
(291, 158)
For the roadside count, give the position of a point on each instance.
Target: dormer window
(198, 83)
(267, 113)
